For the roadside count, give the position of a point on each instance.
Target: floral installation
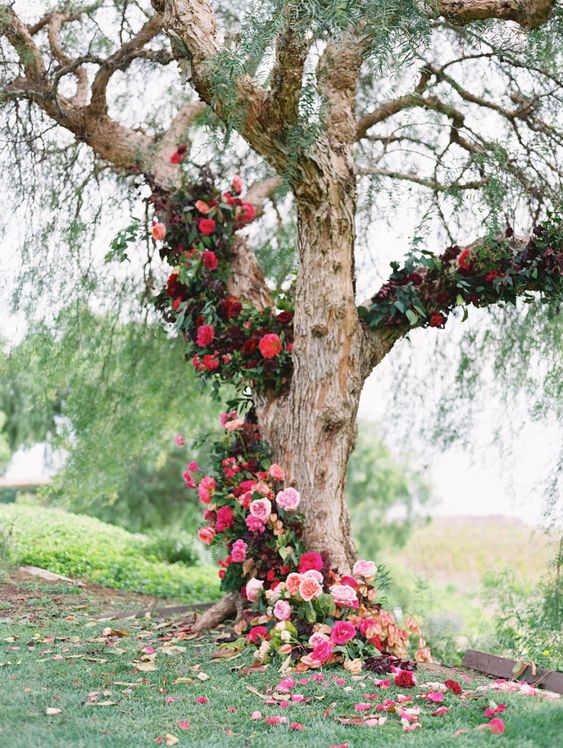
(427, 288)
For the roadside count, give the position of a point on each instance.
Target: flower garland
(427, 287)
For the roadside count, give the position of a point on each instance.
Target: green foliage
(384, 495)
(84, 547)
(5, 451)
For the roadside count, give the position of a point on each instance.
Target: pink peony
(253, 588)
(310, 560)
(322, 652)
(318, 638)
(276, 472)
(206, 226)
(270, 345)
(236, 184)
(206, 489)
(238, 551)
(225, 519)
(205, 335)
(342, 632)
(202, 206)
(344, 595)
(159, 231)
(282, 610)
(309, 588)
(292, 583)
(364, 569)
(261, 508)
(206, 535)
(209, 259)
(288, 499)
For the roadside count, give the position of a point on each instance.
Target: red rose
(210, 362)
(491, 276)
(437, 320)
(206, 226)
(285, 317)
(174, 288)
(225, 518)
(270, 345)
(205, 335)
(248, 347)
(209, 259)
(179, 154)
(405, 679)
(257, 633)
(245, 214)
(233, 307)
(464, 260)
(310, 560)
(453, 685)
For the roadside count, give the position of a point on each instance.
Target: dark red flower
(464, 259)
(179, 154)
(310, 560)
(209, 259)
(405, 679)
(453, 685)
(174, 289)
(248, 347)
(285, 317)
(437, 320)
(206, 226)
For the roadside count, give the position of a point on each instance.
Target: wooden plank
(502, 667)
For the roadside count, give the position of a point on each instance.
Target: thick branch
(528, 13)
(53, 32)
(17, 33)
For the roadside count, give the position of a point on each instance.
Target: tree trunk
(312, 429)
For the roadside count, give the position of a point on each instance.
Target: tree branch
(528, 13)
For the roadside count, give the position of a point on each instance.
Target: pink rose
(322, 652)
(309, 588)
(254, 524)
(205, 335)
(225, 519)
(253, 588)
(188, 479)
(270, 345)
(193, 467)
(318, 638)
(202, 206)
(206, 535)
(179, 439)
(314, 574)
(292, 583)
(288, 499)
(342, 632)
(159, 231)
(276, 472)
(206, 489)
(364, 569)
(282, 610)
(234, 425)
(310, 560)
(261, 508)
(238, 551)
(344, 596)
(236, 184)
(224, 417)
(206, 226)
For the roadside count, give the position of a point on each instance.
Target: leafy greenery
(87, 548)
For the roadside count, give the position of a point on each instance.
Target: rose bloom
(276, 472)
(437, 320)
(205, 335)
(282, 610)
(309, 588)
(315, 575)
(235, 424)
(292, 583)
(405, 679)
(206, 226)
(253, 588)
(364, 569)
(270, 345)
(318, 638)
(238, 551)
(464, 259)
(236, 184)
(179, 154)
(310, 560)
(261, 508)
(179, 439)
(206, 535)
(210, 362)
(322, 651)
(209, 259)
(257, 633)
(159, 231)
(288, 499)
(202, 206)
(224, 417)
(343, 595)
(206, 488)
(188, 479)
(254, 524)
(225, 519)
(342, 632)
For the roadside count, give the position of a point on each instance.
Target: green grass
(86, 548)
(62, 657)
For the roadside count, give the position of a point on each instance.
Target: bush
(84, 547)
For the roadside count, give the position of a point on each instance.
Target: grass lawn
(55, 655)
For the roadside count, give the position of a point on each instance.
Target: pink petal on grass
(296, 726)
(256, 715)
(440, 711)
(185, 725)
(202, 700)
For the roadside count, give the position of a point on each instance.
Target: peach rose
(292, 583)
(309, 588)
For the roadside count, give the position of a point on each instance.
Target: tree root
(229, 607)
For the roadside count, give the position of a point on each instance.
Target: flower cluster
(228, 339)
(427, 288)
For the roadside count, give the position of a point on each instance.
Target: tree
(302, 83)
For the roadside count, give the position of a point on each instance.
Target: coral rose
(253, 588)
(206, 535)
(270, 345)
(159, 231)
(292, 583)
(206, 488)
(364, 569)
(344, 595)
(309, 588)
(288, 499)
(276, 472)
(202, 206)
(342, 632)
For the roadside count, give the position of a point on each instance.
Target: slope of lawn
(86, 548)
(69, 679)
